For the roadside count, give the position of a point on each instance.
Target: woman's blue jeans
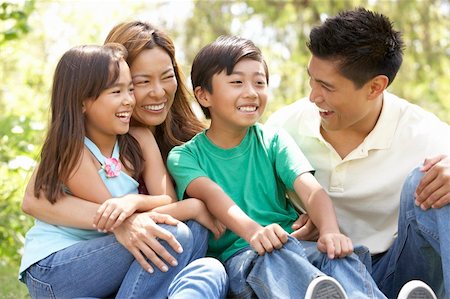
(421, 249)
(102, 268)
(287, 272)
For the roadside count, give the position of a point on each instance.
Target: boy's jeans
(422, 248)
(286, 273)
(102, 268)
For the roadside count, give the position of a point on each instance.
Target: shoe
(416, 289)
(324, 287)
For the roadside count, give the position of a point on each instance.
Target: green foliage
(17, 154)
(281, 29)
(10, 286)
(14, 20)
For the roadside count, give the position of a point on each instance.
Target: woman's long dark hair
(181, 123)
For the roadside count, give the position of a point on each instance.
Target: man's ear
(377, 85)
(202, 96)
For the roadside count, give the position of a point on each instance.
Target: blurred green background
(34, 34)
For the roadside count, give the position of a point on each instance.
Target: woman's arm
(68, 210)
(139, 233)
(155, 175)
(193, 208)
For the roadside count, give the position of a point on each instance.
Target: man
(364, 141)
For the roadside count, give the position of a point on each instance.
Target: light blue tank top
(44, 239)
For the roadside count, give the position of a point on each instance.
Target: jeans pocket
(37, 288)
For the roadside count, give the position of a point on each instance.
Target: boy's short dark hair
(362, 42)
(222, 54)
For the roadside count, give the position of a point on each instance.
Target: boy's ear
(377, 85)
(202, 96)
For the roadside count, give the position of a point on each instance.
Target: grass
(10, 286)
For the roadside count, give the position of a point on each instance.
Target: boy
(241, 170)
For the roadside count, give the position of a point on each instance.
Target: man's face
(342, 106)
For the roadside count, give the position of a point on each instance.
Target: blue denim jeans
(422, 248)
(102, 268)
(287, 272)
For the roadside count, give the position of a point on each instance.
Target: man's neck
(346, 140)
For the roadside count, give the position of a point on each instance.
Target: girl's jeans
(102, 268)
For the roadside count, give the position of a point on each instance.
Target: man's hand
(304, 229)
(434, 188)
(141, 235)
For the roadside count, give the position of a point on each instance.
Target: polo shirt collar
(380, 137)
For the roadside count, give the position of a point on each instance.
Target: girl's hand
(142, 236)
(113, 212)
(268, 238)
(336, 245)
(205, 218)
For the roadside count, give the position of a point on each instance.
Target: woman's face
(155, 85)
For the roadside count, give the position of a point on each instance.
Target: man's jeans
(422, 248)
(286, 273)
(103, 268)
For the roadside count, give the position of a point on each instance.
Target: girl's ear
(202, 96)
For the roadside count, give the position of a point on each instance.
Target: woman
(163, 106)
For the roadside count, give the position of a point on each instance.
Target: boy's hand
(113, 212)
(268, 238)
(336, 245)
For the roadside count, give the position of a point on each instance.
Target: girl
(92, 102)
(163, 106)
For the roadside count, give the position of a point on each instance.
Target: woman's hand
(205, 218)
(141, 235)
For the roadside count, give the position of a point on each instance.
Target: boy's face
(341, 105)
(238, 100)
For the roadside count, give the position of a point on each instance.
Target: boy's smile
(238, 100)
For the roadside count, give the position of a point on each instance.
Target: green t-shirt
(255, 174)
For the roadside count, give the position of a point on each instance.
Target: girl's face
(109, 115)
(155, 85)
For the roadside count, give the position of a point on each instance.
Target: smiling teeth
(323, 110)
(247, 108)
(123, 114)
(154, 107)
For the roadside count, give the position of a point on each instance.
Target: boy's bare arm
(321, 211)
(262, 239)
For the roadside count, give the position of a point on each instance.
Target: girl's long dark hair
(83, 72)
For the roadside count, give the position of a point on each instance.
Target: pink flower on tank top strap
(112, 167)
